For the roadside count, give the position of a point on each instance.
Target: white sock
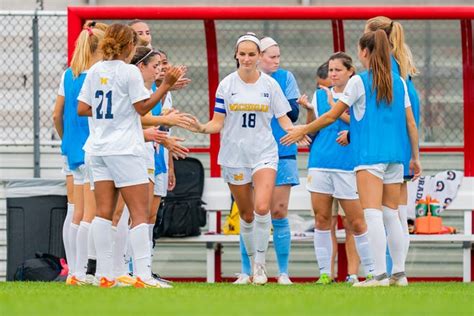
(395, 239)
(377, 238)
(150, 236)
(73, 228)
(120, 246)
(247, 233)
(262, 236)
(403, 214)
(66, 229)
(365, 254)
(81, 249)
(323, 250)
(141, 250)
(102, 230)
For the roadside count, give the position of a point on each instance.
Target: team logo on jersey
(238, 177)
(104, 80)
(265, 95)
(309, 179)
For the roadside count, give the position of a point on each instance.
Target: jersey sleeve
(219, 106)
(136, 86)
(292, 91)
(61, 86)
(86, 94)
(407, 97)
(353, 91)
(279, 105)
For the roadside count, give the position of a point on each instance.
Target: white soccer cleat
(352, 279)
(259, 274)
(373, 282)
(284, 279)
(92, 280)
(242, 279)
(399, 279)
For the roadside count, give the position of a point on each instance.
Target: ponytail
(396, 37)
(379, 63)
(116, 40)
(86, 45)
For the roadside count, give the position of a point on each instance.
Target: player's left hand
(342, 138)
(415, 168)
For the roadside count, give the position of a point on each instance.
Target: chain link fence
(305, 45)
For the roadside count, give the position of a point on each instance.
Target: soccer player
(75, 131)
(331, 173)
(403, 65)
(380, 115)
(287, 170)
(115, 96)
(246, 102)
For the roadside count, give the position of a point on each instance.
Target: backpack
(182, 213)
(44, 267)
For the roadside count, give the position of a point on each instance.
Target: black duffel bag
(44, 267)
(181, 213)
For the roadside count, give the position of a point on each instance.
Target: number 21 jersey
(111, 88)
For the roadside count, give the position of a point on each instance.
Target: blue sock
(389, 262)
(282, 243)
(244, 257)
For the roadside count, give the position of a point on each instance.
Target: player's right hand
(173, 74)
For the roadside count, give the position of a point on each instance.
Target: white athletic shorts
(81, 175)
(161, 184)
(388, 172)
(65, 169)
(340, 185)
(124, 170)
(150, 160)
(241, 176)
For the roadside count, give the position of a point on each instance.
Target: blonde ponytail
(86, 45)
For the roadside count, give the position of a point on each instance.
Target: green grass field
(227, 299)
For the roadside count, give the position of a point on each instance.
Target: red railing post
(74, 27)
(468, 89)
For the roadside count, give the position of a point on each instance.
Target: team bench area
(217, 197)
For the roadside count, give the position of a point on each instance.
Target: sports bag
(44, 267)
(182, 213)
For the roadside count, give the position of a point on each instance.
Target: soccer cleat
(92, 280)
(371, 281)
(159, 278)
(259, 274)
(399, 279)
(125, 280)
(324, 279)
(352, 279)
(76, 281)
(242, 279)
(147, 283)
(106, 283)
(68, 280)
(284, 279)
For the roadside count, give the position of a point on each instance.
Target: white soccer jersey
(247, 137)
(111, 88)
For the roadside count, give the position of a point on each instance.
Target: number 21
(98, 111)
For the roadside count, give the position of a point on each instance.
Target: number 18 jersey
(111, 88)
(247, 138)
